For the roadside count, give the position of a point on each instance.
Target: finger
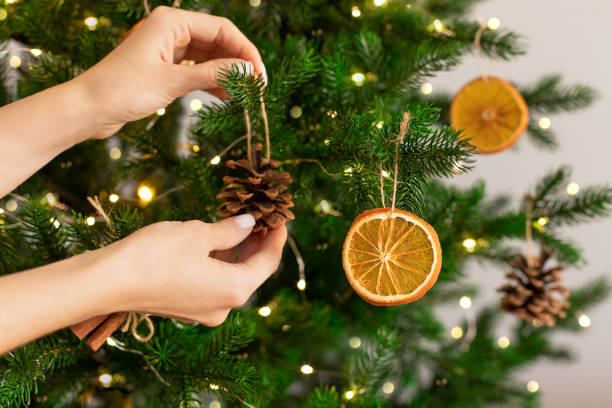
(248, 248)
(206, 74)
(263, 263)
(230, 232)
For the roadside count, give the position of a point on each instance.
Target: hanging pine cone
(535, 293)
(260, 194)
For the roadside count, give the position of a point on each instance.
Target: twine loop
(400, 138)
(133, 320)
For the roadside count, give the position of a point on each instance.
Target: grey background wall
(573, 38)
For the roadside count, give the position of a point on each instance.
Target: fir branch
(323, 397)
(566, 252)
(294, 72)
(502, 44)
(370, 50)
(45, 236)
(449, 8)
(335, 79)
(550, 184)
(49, 70)
(82, 236)
(8, 255)
(5, 95)
(235, 333)
(375, 361)
(244, 90)
(582, 299)
(548, 96)
(590, 202)
(124, 221)
(542, 138)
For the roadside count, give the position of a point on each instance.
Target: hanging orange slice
(491, 113)
(391, 258)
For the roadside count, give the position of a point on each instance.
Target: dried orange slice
(391, 258)
(491, 113)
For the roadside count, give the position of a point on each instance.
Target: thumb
(206, 74)
(231, 231)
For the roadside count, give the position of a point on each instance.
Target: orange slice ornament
(391, 257)
(491, 113)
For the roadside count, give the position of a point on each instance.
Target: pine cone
(260, 194)
(535, 293)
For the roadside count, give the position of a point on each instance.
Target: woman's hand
(143, 73)
(189, 269)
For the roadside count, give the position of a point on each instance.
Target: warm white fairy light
(90, 221)
(195, 148)
(493, 23)
(11, 205)
(161, 111)
(456, 332)
(51, 199)
(355, 12)
(503, 342)
(469, 244)
(113, 198)
(295, 112)
(358, 78)
(3, 14)
(349, 394)
(91, 23)
(437, 25)
(10, 1)
(426, 88)
(264, 311)
(15, 61)
(573, 188)
(214, 387)
(301, 284)
(307, 369)
(255, 3)
(354, 342)
(145, 193)
(195, 104)
(533, 386)
(348, 170)
(379, 3)
(111, 342)
(35, 52)
(542, 221)
(1, 211)
(380, 124)
(114, 153)
(385, 173)
(56, 223)
(465, 302)
(215, 404)
(105, 379)
(215, 160)
(388, 387)
(584, 320)
(325, 206)
(544, 122)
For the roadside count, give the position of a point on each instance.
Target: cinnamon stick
(83, 328)
(99, 335)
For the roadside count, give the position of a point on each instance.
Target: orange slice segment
(491, 113)
(391, 258)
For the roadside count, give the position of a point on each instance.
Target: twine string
(478, 48)
(528, 231)
(146, 7)
(382, 185)
(398, 141)
(248, 135)
(264, 116)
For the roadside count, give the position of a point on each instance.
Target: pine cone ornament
(535, 293)
(261, 194)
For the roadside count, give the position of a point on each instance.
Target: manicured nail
(246, 68)
(244, 221)
(265, 76)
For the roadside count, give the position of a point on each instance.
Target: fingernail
(265, 76)
(244, 220)
(246, 68)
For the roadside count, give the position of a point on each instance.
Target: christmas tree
(344, 76)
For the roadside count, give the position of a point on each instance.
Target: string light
(3, 14)
(113, 198)
(426, 88)
(11, 205)
(195, 105)
(264, 311)
(55, 223)
(542, 221)
(326, 142)
(215, 160)
(584, 320)
(388, 387)
(255, 3)
(295, 112)
(10, 1)
(437, 25)
(503, 342)
(215, 404)
(105, 379)
(114, 153)
(160, 111)
(358, 78)
(465, 302)
(35, 52)
(379, 3)
(348, 170)
(195, 148)
(90, 221)
(356, 12)
(469, 244)
(307, 369)
(573, 188)
(385, 173)
(145, 193)
(15, 61)
(91, 23)
(544, 122)
(301, 284)
(111, 342)
(349, 394)
(380, 124)
(533, 386)
(214, 387)
(493, 23)
(354, 342)
(325, 206)
(51, 199)
(1, 211)
(456, 332)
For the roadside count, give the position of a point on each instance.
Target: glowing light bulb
(437, 25)
(91, 23)
(35, 52)
(307, 369)
(11, 205)
(10, 1)
(354, 342)
(379, 3)
(1, 211)
(255, 3)
(355, 12)
(584, 320)
(573, 188)
(215, 404)
(426, 88)
(542, 221)
(90, 221)
(105, 379)
(325, 206)
(114, 153)
(380, 124)
(215, 160)
(358, 78)
(160, 111)
(3, 14)
(264, 311)
(349, 395)
(469, 244)
(15, 61)
(388, 387)
(385, 174)
(503, 342)
(195, 105)
(145, 193)
(465, 302)
(214, 387)
(493, 23)
(301, 284)
(111, 342)
(533, 386)
(348, 170)
(195, 148)
(544, 122)
(295, 112)
(113, 198)
(456, 332)
(51, 199)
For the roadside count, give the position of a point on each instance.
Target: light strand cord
(478, 48)
(296, 161)
(470, 333)
(528, 231)
(382, 186)
(300, 261)
(234, 143)
(121, 346)
(400, 139)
